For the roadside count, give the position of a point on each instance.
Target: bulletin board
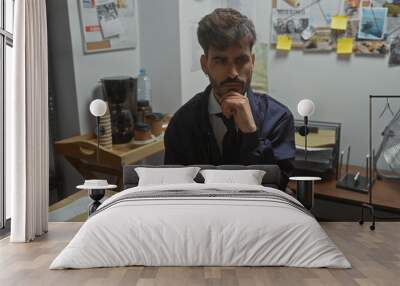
(108, 25)
(362, 27)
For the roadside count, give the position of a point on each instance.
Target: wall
(90, 68)
(190, 13)
(340, 88)
(74, 78)
(160, 51)
(62, 86)
(61, 68)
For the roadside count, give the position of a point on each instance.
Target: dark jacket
(189, 138)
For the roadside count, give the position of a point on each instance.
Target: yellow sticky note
(284, 43)
(339, 23)
(344, 46)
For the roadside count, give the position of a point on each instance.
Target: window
(6, 44)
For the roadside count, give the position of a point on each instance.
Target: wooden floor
(375, 256)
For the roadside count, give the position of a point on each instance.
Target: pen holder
(348, 182)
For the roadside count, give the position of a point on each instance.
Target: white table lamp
(98, 108)
(305, 108)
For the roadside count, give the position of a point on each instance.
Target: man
(228, 123)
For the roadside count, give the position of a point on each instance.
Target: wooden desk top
(84, 147)
(385, 193)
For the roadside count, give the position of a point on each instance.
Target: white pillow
(248, 177)
(164, 176)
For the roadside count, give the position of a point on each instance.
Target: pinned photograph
(351, 8)
(321, 41)
(366, 3)
(394, 58)
(371, 48)
(308, 33)
(289, 22)
(109, 21)
(88, 3)
(393, 7)
(293, 3)
(392, 28)
(372, 23)
(352, 28)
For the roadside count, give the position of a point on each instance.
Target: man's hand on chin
(237, 105)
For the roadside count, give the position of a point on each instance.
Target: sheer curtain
(27, 124)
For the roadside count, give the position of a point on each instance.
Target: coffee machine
(120, 93)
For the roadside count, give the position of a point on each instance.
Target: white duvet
(200, 231)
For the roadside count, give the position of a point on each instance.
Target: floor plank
(375, 257)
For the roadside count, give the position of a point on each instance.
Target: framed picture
(108, 25)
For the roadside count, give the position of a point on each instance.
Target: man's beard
(221, 88)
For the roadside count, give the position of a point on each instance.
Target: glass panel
(8, 86)
(9, 9)
(2, 205)
(1, 14)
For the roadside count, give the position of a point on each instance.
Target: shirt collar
(213, 105)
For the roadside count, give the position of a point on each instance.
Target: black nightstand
(96, 191)
(305, 190)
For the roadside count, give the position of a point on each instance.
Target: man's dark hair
(224, 28)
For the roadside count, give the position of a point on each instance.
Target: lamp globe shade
(98, 107)
(306, 107)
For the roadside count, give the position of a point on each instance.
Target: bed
(198, 224)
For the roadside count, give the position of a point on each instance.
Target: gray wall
(74, 77)
(90, 68)
(62, 80)
(160, 51)
(339, 87)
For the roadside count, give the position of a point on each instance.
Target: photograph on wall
(260, 77)
(321, 12)
(393, 27)
(352, 28)
(371, 48)
(366, 3)
(321, 41)
(372, 23)
(351, 8)
(109, 21)
(107, 25)
(289, 22)
(393, 7)
(394, 58)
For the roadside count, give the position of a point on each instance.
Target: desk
(81, 150)
(385, 193)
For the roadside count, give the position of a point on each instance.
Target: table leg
(96, 196)
(305, 193)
